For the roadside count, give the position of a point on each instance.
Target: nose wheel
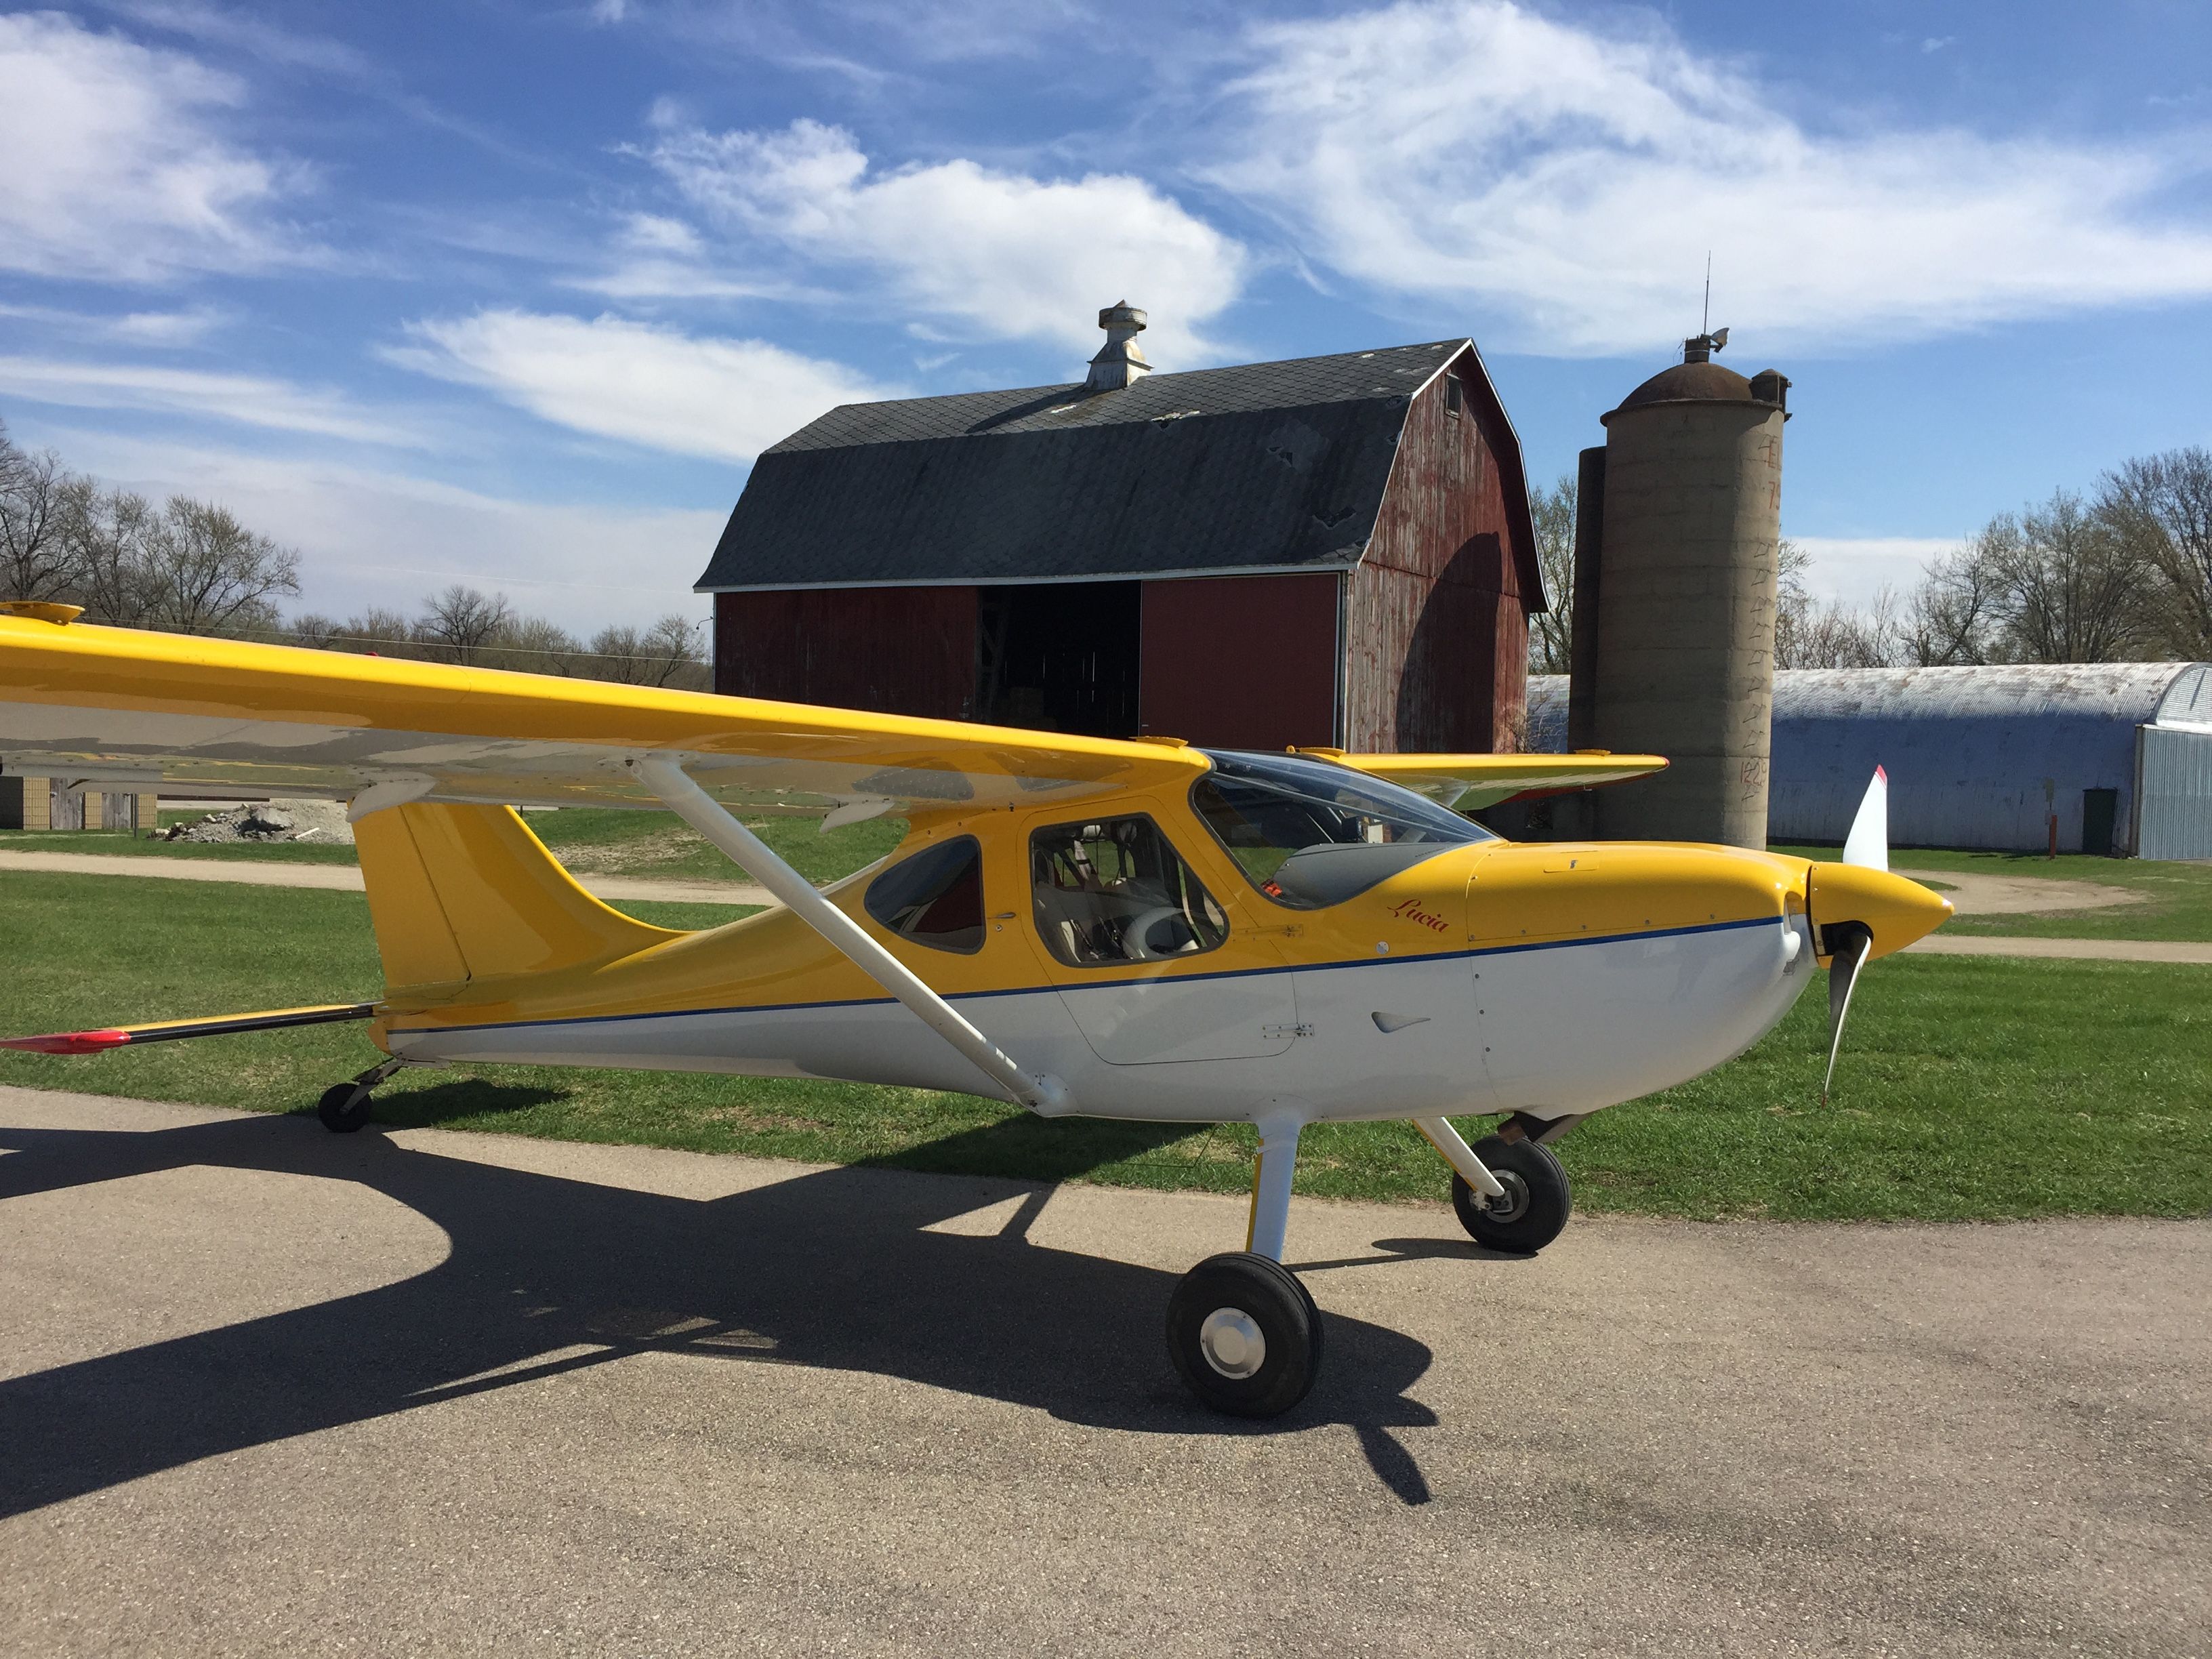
(1535, 1205)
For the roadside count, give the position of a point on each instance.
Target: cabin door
(1143, 955)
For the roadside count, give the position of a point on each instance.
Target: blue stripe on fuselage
(1101, 984)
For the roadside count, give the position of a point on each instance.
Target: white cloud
(665, 258)
(115, 168)
(1473, 153)
(968, 251)
(688, 394)
(153, 328)
(376, 537)
(1855, 568)
(248, 399)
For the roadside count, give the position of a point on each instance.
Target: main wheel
(1536, 1201)
(343, 1108)
(1244, 1334)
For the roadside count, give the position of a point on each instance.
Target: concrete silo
(1675, 565)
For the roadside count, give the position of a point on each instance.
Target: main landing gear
(1243, 1332)
(344, 1106)
(1509, 1190)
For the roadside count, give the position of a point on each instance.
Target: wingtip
(68, 1043)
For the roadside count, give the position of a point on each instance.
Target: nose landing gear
(1532, 1210)
(1510, 1192)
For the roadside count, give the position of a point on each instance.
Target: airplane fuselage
(1489, 977)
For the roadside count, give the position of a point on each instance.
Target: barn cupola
(1121, 361)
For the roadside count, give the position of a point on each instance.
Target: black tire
(343, 1108)
(1251, 1296)
(1537, 1202)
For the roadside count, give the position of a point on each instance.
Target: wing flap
(86, 702)
(1468, 783)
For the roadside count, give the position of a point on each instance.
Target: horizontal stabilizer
(169, 1030)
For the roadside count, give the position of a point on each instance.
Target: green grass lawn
(2176, 898)
(593, 841)
(1970, 1088)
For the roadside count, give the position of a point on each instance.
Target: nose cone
(1894, 910)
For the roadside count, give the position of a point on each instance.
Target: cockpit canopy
(1307, 833)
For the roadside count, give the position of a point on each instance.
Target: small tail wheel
(343, 1108)
(1244, 1334)
(1535, 1205)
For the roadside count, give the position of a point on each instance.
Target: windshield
(1310, 833)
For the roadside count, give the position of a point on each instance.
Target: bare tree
(671, 652)
(1811, 633)
(202, 572)
(2162, 504)
(458, 624)
(532, 645)
(376, 632)
(2071, 588)
(106, 532)
(35, 559)
(1551, 633)
(312, 631)
(1954, 617)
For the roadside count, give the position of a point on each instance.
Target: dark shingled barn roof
(1262, 467)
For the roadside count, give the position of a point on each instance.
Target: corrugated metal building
(2120, 753)
(1332, 550)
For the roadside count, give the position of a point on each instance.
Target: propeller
(1868, 844)
(1848, 942)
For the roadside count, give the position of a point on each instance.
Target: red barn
(1329, 551)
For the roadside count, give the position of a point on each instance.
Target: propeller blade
(1849, 944)
(1868, 844)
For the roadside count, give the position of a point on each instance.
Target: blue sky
(513, 294)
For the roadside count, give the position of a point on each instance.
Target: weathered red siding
(1241, 662)
(896, 650)
(1435, 633)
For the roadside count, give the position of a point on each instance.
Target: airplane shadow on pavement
(829, 1269)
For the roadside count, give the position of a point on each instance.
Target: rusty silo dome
(1702, 383)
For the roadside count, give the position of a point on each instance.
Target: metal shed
(1328, 550)
(2119, 753)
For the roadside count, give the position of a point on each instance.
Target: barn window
(1454, 394)
(935, 897)
(1112, 891)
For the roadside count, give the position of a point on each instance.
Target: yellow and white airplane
(1116, 929)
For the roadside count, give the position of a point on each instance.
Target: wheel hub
(1511, 1204)
(1232, 1342)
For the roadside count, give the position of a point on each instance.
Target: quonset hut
(1328, 551)
(2120, 754)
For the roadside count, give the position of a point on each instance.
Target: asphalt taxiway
(266, 1390)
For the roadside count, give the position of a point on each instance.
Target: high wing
(1468, 783)
(120, 708)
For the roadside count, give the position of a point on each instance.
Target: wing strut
(1042, 1093)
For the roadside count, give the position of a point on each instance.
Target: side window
(935, 897)
(1112, 891)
